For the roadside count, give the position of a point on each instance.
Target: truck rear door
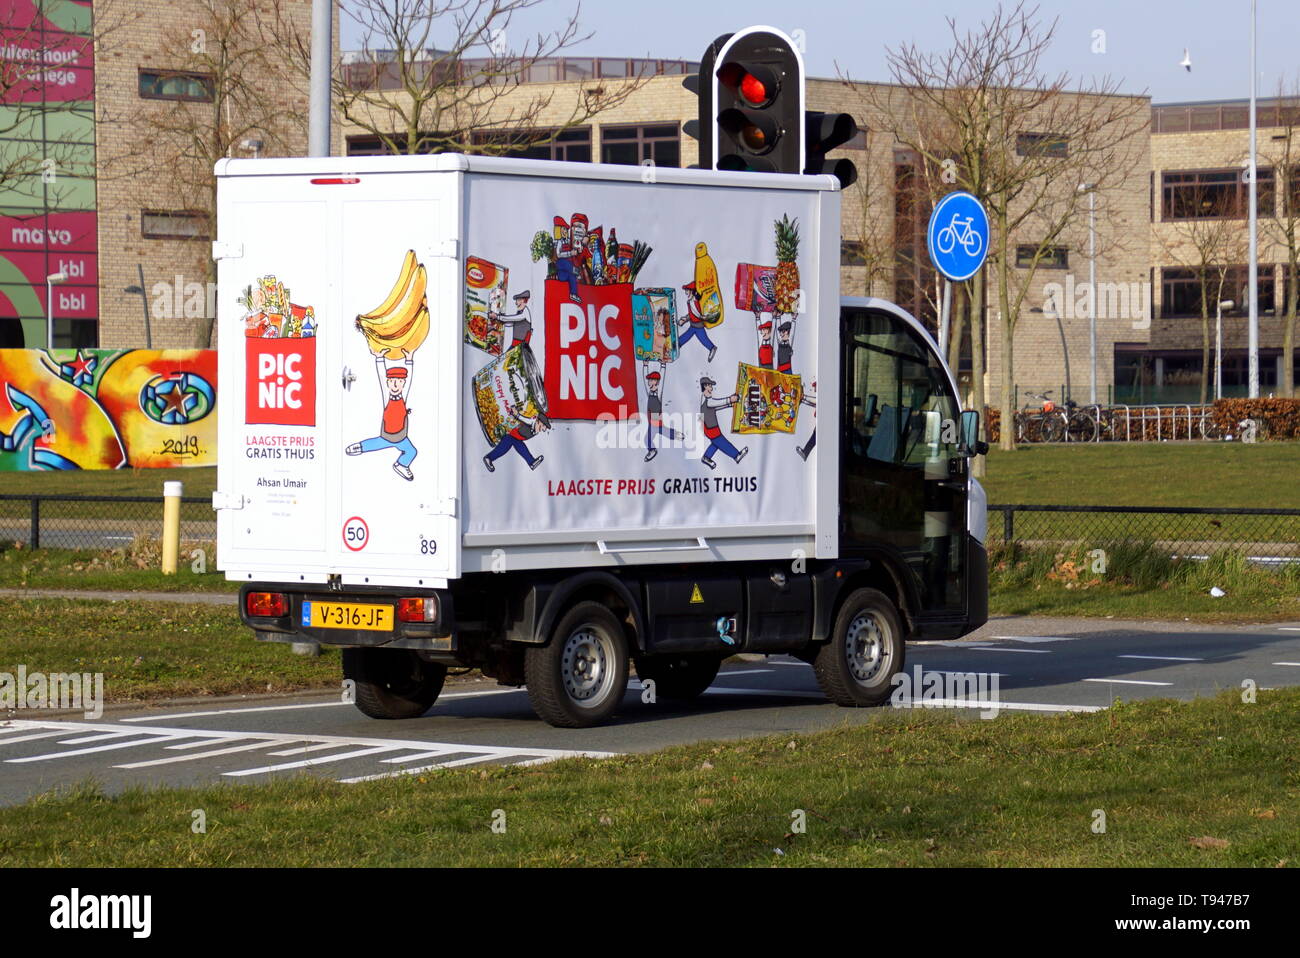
(338, 433)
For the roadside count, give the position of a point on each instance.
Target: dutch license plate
(347, 615)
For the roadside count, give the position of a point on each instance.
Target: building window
(633, 145)
(176, 85)
(1181, 290)
(394, 144)
(1049, 257)
(853, 253)
(1042, 144)
(1213, 194)
(174, 224)
(572, 145)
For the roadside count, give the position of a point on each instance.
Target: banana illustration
(402, 322)
(404, 278)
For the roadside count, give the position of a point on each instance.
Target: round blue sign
(958, 236)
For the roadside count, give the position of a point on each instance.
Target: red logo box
(280, 382)
(590, 363)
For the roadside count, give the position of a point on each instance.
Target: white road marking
(262, 708)
(419, 755)
(167, 716)
(996, 706)
(152, 740)
(321, 760)
(194, 756)
(1127, 682)
(199, 744)
(990, 648)
(1034, 638)
(1163, 658)
(1001, 675)
(471, 760)
(101, 737)
(306, 748)
(1287, 663)
(1288, 628)
(32, 738)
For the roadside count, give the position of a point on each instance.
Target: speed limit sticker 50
(356, 533)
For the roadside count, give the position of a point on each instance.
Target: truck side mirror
(971, 444)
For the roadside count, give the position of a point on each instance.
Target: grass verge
(1136, 580)
(1208, 783)
(132, 568)
(1211, 475)
(150, 650)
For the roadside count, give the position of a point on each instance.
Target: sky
(1143, 40)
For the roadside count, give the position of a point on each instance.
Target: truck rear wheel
(856, 667)
(578, 678)
(393, 683)
(679, 677)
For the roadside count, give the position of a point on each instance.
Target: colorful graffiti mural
(106, 409)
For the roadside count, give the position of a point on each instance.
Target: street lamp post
(144, 298)
(1218, 346)
(1253, 294)
(50, 280)
(1091, 190)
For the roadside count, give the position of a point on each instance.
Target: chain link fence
(1268, 535)
(97, 522)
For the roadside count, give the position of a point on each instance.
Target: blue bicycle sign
(958, 236)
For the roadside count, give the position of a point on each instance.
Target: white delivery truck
(548, 419)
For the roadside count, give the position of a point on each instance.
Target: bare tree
(441, 75)
(1207, 244)
(1283, 154)
(988, 119)
(867, 231)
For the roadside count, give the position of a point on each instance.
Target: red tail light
(422, 609)
(266, 604)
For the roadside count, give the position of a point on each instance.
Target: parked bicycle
(1045, 423)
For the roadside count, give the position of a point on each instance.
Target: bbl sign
(958, 236)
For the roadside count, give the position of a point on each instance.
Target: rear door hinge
(226, 500)
(444, 506)
(448, 248)
(227, 249)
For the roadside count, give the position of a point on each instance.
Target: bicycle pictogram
(959, 231)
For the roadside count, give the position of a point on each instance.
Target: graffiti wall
(107, 409)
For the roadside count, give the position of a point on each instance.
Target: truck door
(903, 483)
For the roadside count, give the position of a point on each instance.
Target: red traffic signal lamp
(822, 133)
(756, 80)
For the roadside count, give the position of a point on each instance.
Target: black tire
(577, 679)
(679, 677)
(856, 667)
(393, 683)
(1053, 429)
(1083, 428)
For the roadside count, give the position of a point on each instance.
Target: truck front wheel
(578, 678)
(856, 667)
(392, 683)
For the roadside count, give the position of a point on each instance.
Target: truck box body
(397, 413)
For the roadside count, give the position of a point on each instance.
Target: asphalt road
(1042, 665)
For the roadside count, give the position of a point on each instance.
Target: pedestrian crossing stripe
(696, 597)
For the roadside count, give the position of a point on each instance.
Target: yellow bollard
(171, 543)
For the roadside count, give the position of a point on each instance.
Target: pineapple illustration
(787, 269)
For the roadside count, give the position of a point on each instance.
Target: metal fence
(1271, 535)
(97, 522)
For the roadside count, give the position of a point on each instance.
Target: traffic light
(822, 133)
(757, 102)
(702, 128)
